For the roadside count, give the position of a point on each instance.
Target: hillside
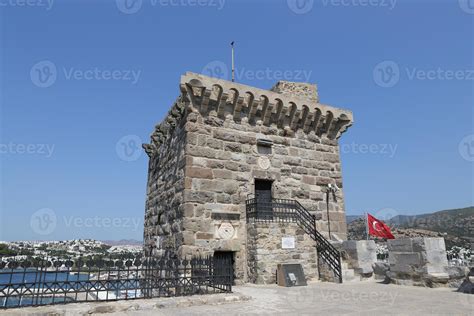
(456, 226)
(456, 222)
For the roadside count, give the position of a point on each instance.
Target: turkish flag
(378, 228)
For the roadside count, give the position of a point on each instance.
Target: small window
(264, 146)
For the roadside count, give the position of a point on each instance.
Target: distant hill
(457, 222)
(351, 218)
(123, 242)
(456, 226)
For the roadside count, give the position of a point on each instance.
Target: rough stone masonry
(217, 141)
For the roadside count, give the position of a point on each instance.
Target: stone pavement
(352, 298)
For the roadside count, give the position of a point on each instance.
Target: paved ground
(364, 298)
(358, 298)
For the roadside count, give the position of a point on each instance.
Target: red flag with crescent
(378, 228)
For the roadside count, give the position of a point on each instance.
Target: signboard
(288, 243)
(290, 274)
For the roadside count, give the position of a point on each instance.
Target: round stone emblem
(264, 163)
(226, 231)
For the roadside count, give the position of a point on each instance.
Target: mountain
(123, 242)
(457, 222)
(456, 226)
(351, 218)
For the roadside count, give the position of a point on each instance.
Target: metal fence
(44, 282)
(272, 210)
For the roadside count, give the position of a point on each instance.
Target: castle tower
(224, 146)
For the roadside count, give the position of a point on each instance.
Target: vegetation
(5, 251)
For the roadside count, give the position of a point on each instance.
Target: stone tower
(221, 143)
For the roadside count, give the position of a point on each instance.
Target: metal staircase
(284, 210)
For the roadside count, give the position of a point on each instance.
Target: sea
(31, 277)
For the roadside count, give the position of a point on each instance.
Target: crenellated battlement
(288, 106)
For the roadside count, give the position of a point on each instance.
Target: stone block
(404, 262)
(400, 245)
(222, 174)
(380, 269)
(197, 172)
(200, 235)
(199, 196)
(361, 255)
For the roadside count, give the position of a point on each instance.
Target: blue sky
(83, 80)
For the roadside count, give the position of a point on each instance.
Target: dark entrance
(263, 194)
(224, 264)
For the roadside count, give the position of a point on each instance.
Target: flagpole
(233, 65)
(367, 224)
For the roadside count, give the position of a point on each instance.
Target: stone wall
(164, 207)
(417, 261)
(265, 251)
(222, 161)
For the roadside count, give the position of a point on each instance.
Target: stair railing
(285, 210)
